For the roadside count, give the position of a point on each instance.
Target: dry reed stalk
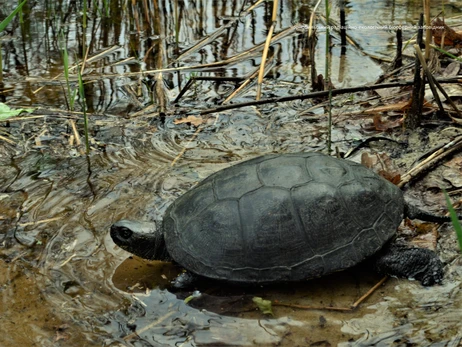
(247, 82)
(205, 41)
(232, 60)
(310, 24)
(251, 8)
(217, 33)
(433, 82)
(261, 73)
(429, 75)
(160, 90)
(428, 30)
(93, 59)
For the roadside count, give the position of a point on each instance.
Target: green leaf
(454, 219)
(263, 305)
(8, 19)
(6, 112)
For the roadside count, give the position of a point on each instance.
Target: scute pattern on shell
(282, 217)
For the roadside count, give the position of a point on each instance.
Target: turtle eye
(125, 232)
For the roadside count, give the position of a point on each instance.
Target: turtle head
(140, 238)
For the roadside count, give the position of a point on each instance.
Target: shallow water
(64, 282)
(33, 61)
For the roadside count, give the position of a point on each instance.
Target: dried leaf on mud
(399, 106)
(443, 32)
(452, 172)
(425, 234)
(196, 121)
(451, 70)
(381, 164)
(380, 125)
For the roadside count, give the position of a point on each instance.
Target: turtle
(285, 217)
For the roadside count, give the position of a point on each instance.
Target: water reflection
(126, 38)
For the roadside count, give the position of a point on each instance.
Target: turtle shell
(282, 217)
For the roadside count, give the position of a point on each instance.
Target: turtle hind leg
(403, 261)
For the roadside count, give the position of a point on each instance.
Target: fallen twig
(321, 94)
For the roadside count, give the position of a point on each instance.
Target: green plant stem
(447, 53)
(65, 56)
(3, 24)
(84, 110)
(454, 219)
(8, 19)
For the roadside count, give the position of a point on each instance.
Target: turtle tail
(414, 212)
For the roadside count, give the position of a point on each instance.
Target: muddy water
(62, 280)
(65, 283)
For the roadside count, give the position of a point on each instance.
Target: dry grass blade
(263, 61)
(217, 33)
(241, 87)
(251, 8)
(75, 132)
(206, 40)
(149, 326)
(122, 62)
(146, 110)
(232, 60)
(48, 220)
(313, 13)
(99, 56)
(258, 48)
(75, 137)
(432, 160)
(248, 81)
(186, 147)
(3, 138)
(89, 60)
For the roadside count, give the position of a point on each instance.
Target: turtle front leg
(404, 261)
(184, 280)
